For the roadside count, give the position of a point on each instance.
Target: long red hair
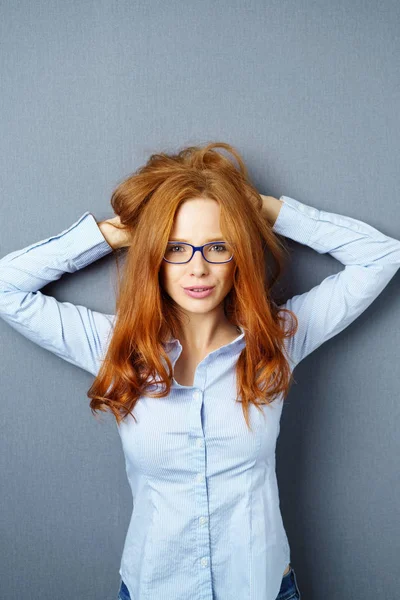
(146, 317)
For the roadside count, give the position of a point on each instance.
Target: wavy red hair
(146, 317)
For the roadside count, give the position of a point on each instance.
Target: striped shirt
(206, 522)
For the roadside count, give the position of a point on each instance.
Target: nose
(197, 255)
(198, 262)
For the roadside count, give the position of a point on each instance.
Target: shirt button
(204, 561)
(199, 443)
(200, 477)
(202, 520)
(196, 395)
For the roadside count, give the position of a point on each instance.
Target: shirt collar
(174, 341)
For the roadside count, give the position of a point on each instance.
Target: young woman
(198, 359)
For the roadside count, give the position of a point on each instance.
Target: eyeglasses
(213, 252)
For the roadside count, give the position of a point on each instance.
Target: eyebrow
(213, 239)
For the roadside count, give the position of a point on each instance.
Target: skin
(197, 221)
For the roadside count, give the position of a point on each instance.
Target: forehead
(197, 219)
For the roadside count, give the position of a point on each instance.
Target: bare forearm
(271, 208)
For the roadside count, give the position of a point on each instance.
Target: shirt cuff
(84, 241)
(296, 220)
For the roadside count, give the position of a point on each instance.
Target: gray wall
(309, 93)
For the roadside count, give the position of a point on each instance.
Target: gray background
(309, 94)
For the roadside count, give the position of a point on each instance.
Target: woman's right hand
(116, 234)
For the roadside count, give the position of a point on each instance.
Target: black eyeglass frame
(195, 249)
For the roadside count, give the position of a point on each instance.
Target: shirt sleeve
(72, 332)
(371, 259)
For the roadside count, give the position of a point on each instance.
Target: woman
(196, 379)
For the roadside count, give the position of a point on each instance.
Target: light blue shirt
(206, 522)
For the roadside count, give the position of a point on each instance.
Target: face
(197, 222)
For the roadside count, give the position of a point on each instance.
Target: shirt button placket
(201, 494)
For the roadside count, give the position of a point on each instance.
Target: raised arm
(72, 332)
(371, 259)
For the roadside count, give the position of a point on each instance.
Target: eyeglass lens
(180, 253)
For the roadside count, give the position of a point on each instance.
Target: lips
(204, 293)
(202, 288)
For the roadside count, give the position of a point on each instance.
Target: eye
(175, 248)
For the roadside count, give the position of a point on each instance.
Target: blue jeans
(289, 589)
